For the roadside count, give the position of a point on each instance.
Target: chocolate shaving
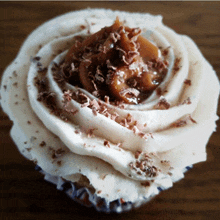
(67, 96)
(37, 58)
(176, 65)
(106, 143)
(15, 73)
(59, 163)
(192, 120)
(143, 165)
(42, 144)
(110, 66)
(15, 84)
(142, 135)
(99, 76)
(159, 65)
(180, 123)
(42, 70)
(137, 154)
(147, 183)
(162, 104)
(188, 82)
(77, 132)
(57, 153)
(39, 64)
(187, 101)
(82, 27)
(131, 91)
(165, 162)
(90, 132)
(115, 37)
(48, 98)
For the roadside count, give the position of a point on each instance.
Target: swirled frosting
(70, 132)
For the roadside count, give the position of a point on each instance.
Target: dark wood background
(24, 193)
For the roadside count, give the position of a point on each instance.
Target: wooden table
(24, 193)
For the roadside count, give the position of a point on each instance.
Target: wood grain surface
(24, 193)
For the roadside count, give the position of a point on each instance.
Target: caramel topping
(116, 62)
(147, 49)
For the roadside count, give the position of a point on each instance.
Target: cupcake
(111, 106)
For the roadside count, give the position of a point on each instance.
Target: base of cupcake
(83, 196)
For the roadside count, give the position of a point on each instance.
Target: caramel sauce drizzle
(116, 62)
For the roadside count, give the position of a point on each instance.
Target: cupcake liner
(84, 197)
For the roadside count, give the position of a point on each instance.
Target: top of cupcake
(100, 107)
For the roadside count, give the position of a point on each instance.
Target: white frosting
(107, 167)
